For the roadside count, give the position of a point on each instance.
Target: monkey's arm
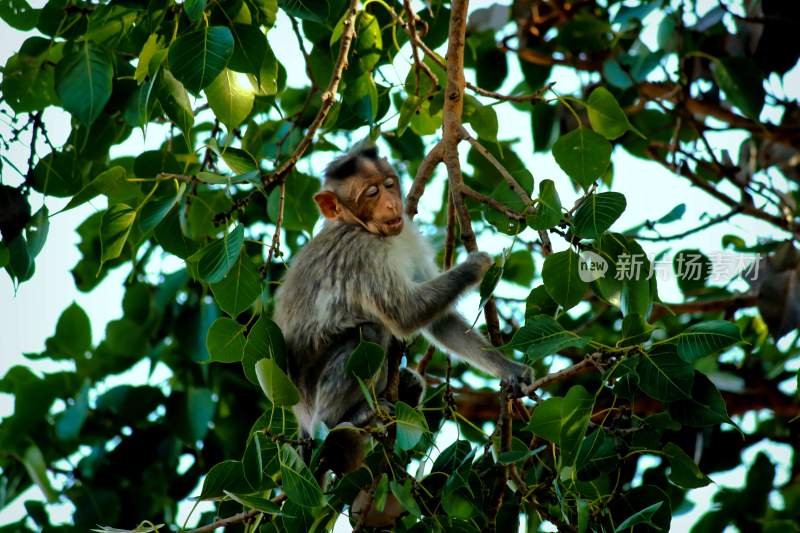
(406, 308)
(452, 333)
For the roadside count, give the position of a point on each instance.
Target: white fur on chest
(411, 255)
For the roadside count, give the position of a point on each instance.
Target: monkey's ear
(328, 204)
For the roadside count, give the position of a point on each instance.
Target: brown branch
(451, 136)
(417, 42)
(738, 301)
(328, 96)
(504, 427)
(424, 172)
(411, 28)
(37, 124)
(671, 92)
(588, 362)
(235, 519)
(466, 190)
(750, 210)
(274, 250)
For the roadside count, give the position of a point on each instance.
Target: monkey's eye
(388, 183)
(372, 191)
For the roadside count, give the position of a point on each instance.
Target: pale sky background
(28, 316)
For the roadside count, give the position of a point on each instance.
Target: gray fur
(348, 283)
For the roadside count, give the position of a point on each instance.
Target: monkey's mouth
(394, 224)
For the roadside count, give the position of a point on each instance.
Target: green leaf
(381, 492)
(19, 14)
(542, 335)
(663, 375)
(684, 472)
(200, 412)
(28, 82)
(576, 409)
(250, 49)
(239, 288)
(114, 230)
(238, 160)
(225, 341)
(36, 467)
(254, 502)
(21, 265)
(705, 407)
(605, 114)
(73, 336)
(224, 476)
(743, 83)
(37, 230)
(548, 210)
(68, 425)
(519, 452)
(404, 496)
(174, 101)
(490, 281)
(644, 516)
(561, 278)
(519, 268)
(368, 43)
(194, 9)
(276, 384)
(597, 213)
(83, 81)
(484, 121)
(5, 255)
(300, 211)
(583, 154)
(198, 57)
(264, 340)
(411, 426)
(163, 199)
(706, 338)
(231, 97)
(298, 481)
(366, 360)
(141, 105)
(145, 55)
(362, 96)
(546, 419)
(216, 259)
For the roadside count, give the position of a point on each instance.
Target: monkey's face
(379, 204)
(370, 197)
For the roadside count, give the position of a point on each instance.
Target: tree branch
(491, 202)
(510, 180)
(328, 97)
(424, 173)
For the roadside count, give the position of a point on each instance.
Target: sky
(28, 314)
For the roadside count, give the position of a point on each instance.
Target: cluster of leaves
(212, 196)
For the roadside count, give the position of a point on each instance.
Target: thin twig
(424, 172)
(590, 361)
(681, 235)
(510, 180)
(328, 97)
(276, 237)
(411, 29)
(491, 202)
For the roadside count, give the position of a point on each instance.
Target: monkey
(369, 275)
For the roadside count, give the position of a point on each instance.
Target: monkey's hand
(478, 264)
(519, 379)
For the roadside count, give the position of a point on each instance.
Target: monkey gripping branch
(213, 231)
